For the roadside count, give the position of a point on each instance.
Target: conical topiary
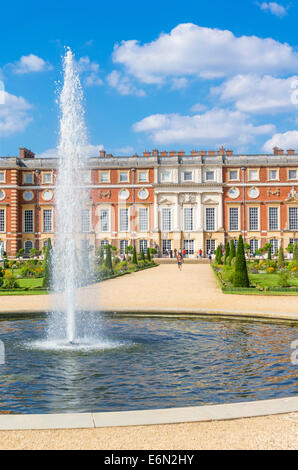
(227, 252)
(142, 255)
(109, 263)
(232, 253)
(47, 279)
(148, 255)
(241, 274)
(281, 257)
(295, 252)
(134, 256)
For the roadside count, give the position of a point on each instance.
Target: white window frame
(208, 210)
(206, 175)
(189, 247)
(188, 219)
(45, 222)
(251, 221)
(123, 176)
(26, 252)
(295, 226)
(296, 173)
(275, 245)
(210, 245)
(2, 177)
(24, 220)
(166, 245)
(101, 179)
(270, 219)
(254, 245)
(86, 221)
(145, 178)
(257, 171)
(124, 210)
(143, 219)
(277, 174)
(187, 172)
(163, 173)
(104, 220)
(123, 245)
(232, 219)
(166, 219)
(47, 173)
(143, 244)
(2, 220)
(234, 171)
(25, 174)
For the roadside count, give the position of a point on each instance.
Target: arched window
(28, 245)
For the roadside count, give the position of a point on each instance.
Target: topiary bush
(241, 275)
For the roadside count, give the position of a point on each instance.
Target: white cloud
(198, 108)
(90, 70)
(287, 140)
(92, 151)
(255, 94)
(216, 126)
(123, 84)
(178, 83)
(191, 50)
(274, 8)
(31, 63)
(14, 114)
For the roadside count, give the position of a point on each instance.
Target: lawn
(30, 283)
(269, 280)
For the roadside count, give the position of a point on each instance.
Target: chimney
(155, 153)
(221, 151)
(291, 152)
(211, 153)
(146, 153)
(172, 153)
(194, 153)
(280, 152)
(181, 153)
(25, 153)
(163, 153)
(275, 151)
(203, 153)
(229, 153)
(102, 153)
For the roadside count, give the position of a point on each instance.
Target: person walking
(179, 261)
(210, 256)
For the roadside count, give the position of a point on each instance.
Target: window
(292, 174)
(45, 243)
(254, 246)
(293, 241)
(143, 245)
(2, 220)
(166, 246)
(274, 244)
(253, 218)
(123, 225)
(166, 220)
(165, 176)
(189, 247)
(188, 219)
(233, 175)
(236, 244)
(104, 220)
(104, 242)
(142, 176)
(293, 218)
(2, 176)
(105, 177)
(273, 218)
(85, 219)
(253, 175)
(28, 178)
(234, 219)
(143, 220)
(273, 175)
(47, 220)
(209, 175)
(47, 178)
(187, 175)
(210, 246)
(28, 245)
(210, 218)
(123, 177)
(28, 221)
(123, 246)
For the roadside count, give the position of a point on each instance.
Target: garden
(32, 275)
(263, 273)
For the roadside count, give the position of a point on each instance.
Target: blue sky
(167, 75)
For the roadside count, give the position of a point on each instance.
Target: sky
(170, 75)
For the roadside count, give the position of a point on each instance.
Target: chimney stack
(291, 152)
(102, 153)
(25, 153)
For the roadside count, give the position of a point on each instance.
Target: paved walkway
(165, 289)
(270, 432)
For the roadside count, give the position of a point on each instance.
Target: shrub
(47, 265)
(227, 252)
(10, 282)
(241, 275)
(281, 257)
(283, 279)
(108, 263)
(134, 256)
(103, 272)
(270, 270)
(142, 255)
(148, 254)
(295, 252)
(232, 253)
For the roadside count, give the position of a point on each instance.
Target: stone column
(220, 213)
(199, 214)
(156, 211)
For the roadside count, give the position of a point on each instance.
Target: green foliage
(149, 255)
(295, 252)
(20, 252)
(283, 278)
(48, 265)
(227, 252)
(134, 256)
(142, 255)
(281, 257)
(232, 253)
(241, 274)
(290, 248)
(108, 262)
(218, 255)
(10, 282)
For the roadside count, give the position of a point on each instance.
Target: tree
(241, 274)
(295, 252)
(148, 255)
(232, 252)
(218, 255)
(109, 264)
(281, 257)
(47, 279)
(142, 255)
(227, 252)
(134, 256)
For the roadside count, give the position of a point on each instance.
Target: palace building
(163, 200)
